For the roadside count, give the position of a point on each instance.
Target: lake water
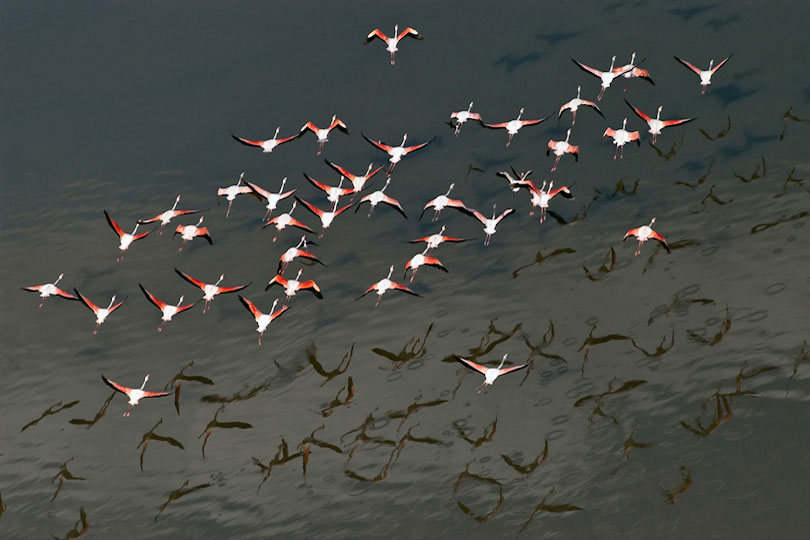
(666, 395)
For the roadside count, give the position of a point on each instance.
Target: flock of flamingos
(540, 198)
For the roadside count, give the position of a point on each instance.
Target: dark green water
(667, 394)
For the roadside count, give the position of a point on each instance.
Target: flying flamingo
(189, 232)
(358, 181)
(541, 197)
(621, 137)
(210, 290)
(397, 152)
(442, 201)
(434, 240)
(635, 72)
(656, 124)
(323, 133)
(574, 104)
(271, 198)
(50, 289)
(490, 224)
(232, 191)
(391, 42)
(125, 238)
(326, 217)
(490, 374)
(333, 193)
(134, 394)
(643, 234)
(421, 259)
(268, 145)
(379, 196)
(561, 148)
(101, 313)
(292, 286)
(521, 181)
(705, 75)
(263, 320)
(385, 285)
(168, 310)
(167, 216)
(462, 116)
(296, 251)
(284, 220)
(513, 126)
(606, 76)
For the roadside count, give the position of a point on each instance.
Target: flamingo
(326, 217)
(125, 239)
(561, 148)
(292, 286)
(421, 259)
(386, 284)
(268, 145)
(490, 374)
(643, 234)
(621, 137)
(282, 221)
(391, 42)
(323, 133)
(167, 216)
(50, 289)
(442, 201)
(358, 181)
(521, 181)
(635, 71)
(705, 75)
(513, 126)
(263, 320)
(379, 196)
(574, 104)
(189, 232)
(333, 193)
(134, 394)
(490, 224)
(462, 116)
(541, 197)
(271, 198)
(210, 290)
(296, 251)
(101, 313)
(434, 240)
(606, 76)
(231, 192)
(168, 310)
(656, 124)
(397, 152)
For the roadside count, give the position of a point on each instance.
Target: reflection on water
(531, 466)
(554, 508)
(179, 493)
(76, 532)
(152, 436)
(53, 409)
(686, 482)
(62, 475)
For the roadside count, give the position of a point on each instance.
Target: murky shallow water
(670, 390)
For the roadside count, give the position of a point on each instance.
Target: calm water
(667, 394)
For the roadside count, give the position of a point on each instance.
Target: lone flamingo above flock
(513, 126)
(704, 74)
(267, 145)
(397, 152)
(323, 133)
(643, 234)
(385, 285)
(125, 239)
(392, 42)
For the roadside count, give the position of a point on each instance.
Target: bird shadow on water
(512, 61)
(686, 14)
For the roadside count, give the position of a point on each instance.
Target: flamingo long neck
(180, 301)
(449, 189)
(199, 222)
(442, 231)
(386, 185)
(292, 208)
(633, 59)
(221, 277)
(470, 107)
(568, 135)
(390, 271)
(340, 184)
(502, 361)
(493, 211)
(369, 168)
(57, 279)
(144, 382)
(404, 138)
(241, 178)
(275, 135)
(624, 124)
(298, 275)
(272, 309)
(112, 301)
(612, 61)
(283, 181)
(711, 63)
(135, 229)
(658, 116)
(302, 242)
(651, 223)
(519, 114)
(177, 200)
(579, 88)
